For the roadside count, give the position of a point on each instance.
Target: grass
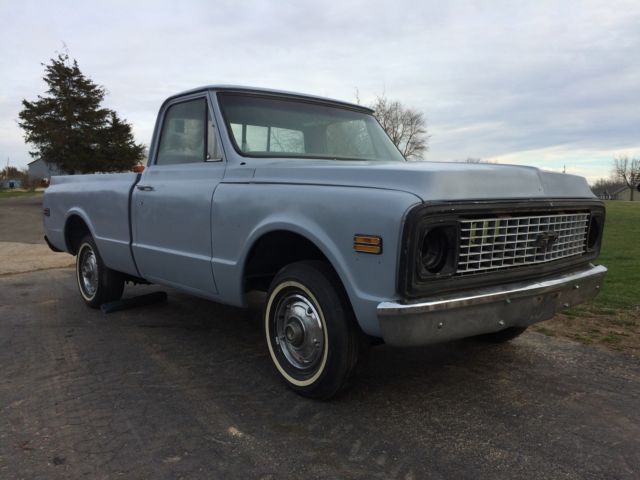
(16, 193)
(612, 319)
(621, 255)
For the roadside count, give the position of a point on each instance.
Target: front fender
(309, 229)
(329, 217)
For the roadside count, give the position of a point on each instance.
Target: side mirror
(138, 169)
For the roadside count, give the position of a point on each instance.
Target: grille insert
(499, 243)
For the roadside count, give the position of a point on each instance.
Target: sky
(552, 84)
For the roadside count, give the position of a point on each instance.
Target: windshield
(267, 127)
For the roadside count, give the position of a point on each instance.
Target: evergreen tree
(119, 151)
(69, 127)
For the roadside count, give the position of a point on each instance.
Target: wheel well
(74, 231)
(272, 252)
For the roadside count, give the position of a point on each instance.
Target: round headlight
(435, 249)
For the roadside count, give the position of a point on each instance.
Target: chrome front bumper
(486, 310)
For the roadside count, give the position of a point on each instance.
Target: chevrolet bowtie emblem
(545, 240)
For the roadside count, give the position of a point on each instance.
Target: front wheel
(313, 337)
(97, 283)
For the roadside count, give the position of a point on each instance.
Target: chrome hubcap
(299, 331)
(88, 272)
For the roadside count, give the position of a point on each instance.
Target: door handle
(144, 188)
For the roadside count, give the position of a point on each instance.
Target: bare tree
(612, 183)
(406, 127)
(627, 170)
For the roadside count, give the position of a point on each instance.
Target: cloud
(543, 83)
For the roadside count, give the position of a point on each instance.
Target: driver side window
(183, 133)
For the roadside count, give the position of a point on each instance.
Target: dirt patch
(25, 257)
(608, 328)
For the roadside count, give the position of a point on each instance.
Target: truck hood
(430, 181)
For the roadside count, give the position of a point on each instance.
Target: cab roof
(274, 93)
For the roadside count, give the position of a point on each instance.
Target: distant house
(616, 192)
(603, 192)
(39, 169)
(624, 193)
(10, 183)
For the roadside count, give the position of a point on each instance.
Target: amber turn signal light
(138, 168)
(367, 244)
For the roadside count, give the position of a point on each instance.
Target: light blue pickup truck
(307, 199)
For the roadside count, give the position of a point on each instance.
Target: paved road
(185, 390)
(21, 219)
(22, 248)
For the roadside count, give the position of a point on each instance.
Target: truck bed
(102, 201)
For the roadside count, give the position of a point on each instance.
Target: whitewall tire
(97, 283)
(311, 332)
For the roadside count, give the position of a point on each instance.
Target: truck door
(171, 204)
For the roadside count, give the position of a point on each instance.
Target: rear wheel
(502, 336)
(97, 283)
(312, 334)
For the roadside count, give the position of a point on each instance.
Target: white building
(39, 169)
